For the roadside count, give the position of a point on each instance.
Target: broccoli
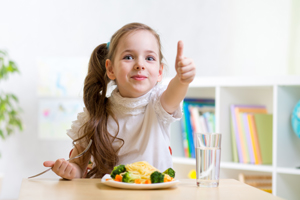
(129, 177)
(170, 172)
(157, 177)
(117, 170)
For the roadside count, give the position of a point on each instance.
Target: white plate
(134, 186)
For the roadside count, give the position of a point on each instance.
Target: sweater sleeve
(162, 114)
(77, 130)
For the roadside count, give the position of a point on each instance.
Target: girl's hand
(62, 168)
(184, 67)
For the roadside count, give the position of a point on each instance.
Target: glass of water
(208, 157)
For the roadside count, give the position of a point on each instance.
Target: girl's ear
(160, 73)
(109, 69)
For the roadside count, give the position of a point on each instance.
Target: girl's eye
(128, 58)
(150, 58)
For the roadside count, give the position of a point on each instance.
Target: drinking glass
(208, 157)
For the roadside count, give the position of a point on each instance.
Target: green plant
(9, 108)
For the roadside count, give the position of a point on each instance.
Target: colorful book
(202, 124)
(264, 127)
(236, 145)
(255, 143)
(184, 137)
(209, 121)
(241, 130)
(235, 157)
(190, 122)
(244, 118)
(200, 101)
(249, 109)
(195, 121)
(241, 142)
(189, 130)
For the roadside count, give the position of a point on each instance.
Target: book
(245, 122)
(192, 121)
(255, 143)
(196, 128)
(202, 124)
(264, 127)
(189, 130)
(208, 117)
(236, 145)
(184, 122)
(184, 137)
(198, 101)
(241, 141)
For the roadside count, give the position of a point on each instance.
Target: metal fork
(79, 155)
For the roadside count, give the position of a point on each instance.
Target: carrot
(107, 179)
(166, 179)
(118, 178)
(137, 181)
(148, 181)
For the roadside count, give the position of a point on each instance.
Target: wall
(225, 38)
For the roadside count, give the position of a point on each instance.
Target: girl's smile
(139, 77)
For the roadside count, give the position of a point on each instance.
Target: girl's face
(136, 66)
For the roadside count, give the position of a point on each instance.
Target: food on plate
(141, 173)
(170, 172)
(117, 170)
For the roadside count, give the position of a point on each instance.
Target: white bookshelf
(279, 95)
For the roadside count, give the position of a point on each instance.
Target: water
(208, 166)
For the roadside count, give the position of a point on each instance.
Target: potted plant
(9, 108)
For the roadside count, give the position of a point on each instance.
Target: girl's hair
(99, 106)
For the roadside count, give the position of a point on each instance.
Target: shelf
(249, 167)
(279, 95)
(241, 81)
(227, 165)
(287, 170)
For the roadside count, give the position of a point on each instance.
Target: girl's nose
(139, 65)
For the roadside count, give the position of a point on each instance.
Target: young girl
(132, 124)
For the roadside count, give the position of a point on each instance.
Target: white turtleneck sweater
(143, 125)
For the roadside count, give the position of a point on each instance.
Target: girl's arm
(82, 162)
(73, 169)
(178, 86)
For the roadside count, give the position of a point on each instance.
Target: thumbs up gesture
(184, 67)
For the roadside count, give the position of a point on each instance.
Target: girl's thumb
(49, 163)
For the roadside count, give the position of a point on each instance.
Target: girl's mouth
(139, 77)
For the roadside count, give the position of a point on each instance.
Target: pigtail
(95, 85)
(99, 108)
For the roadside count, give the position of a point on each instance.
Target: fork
(79, 155)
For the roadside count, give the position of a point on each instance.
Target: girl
(132, 124)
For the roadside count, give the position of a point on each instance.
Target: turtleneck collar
(131, 106)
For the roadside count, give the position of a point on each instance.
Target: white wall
(224, 37)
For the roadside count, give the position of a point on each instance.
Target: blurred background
(51, 41)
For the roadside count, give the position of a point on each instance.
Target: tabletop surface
(93, 189)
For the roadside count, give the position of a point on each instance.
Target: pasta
(142, 169)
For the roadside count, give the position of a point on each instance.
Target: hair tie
(107, 45)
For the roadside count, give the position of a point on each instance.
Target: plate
(134, 186)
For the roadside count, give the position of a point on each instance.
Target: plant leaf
(14, 97)
(1, 134)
